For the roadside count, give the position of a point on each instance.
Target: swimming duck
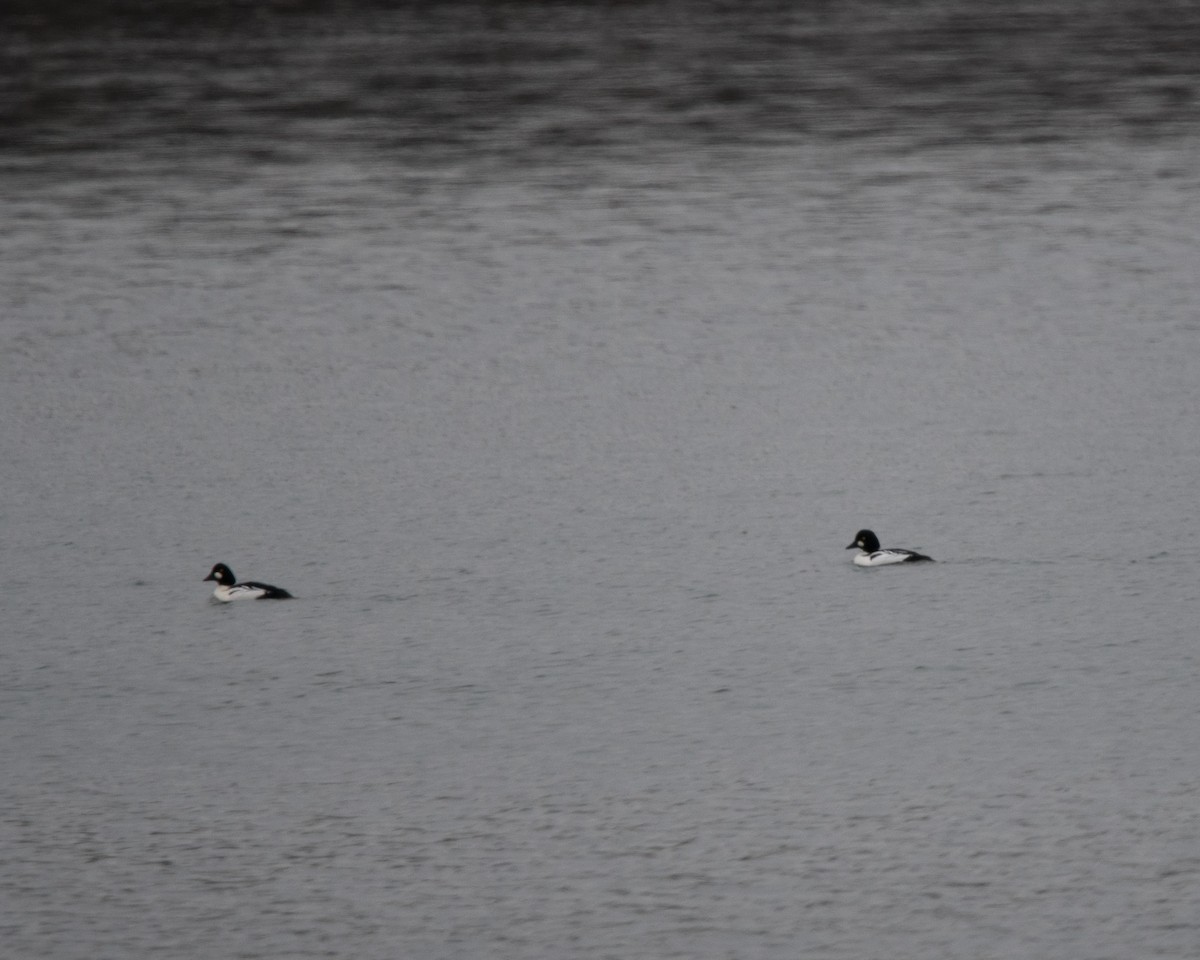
(873, 556)
(229, 589)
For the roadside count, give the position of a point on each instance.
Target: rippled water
(551, 354)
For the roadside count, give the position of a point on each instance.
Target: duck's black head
(865, 540)
(222, 574)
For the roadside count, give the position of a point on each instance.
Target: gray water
(551, 354)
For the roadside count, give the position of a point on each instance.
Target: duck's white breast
(227, 594)
(880, 558)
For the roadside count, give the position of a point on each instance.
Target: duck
(874, 556)
(229, 589)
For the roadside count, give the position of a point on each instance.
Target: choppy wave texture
(444, 81)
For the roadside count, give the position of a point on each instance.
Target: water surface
(550, 354)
